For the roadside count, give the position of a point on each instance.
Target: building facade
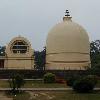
(67, 46)
(18, 55)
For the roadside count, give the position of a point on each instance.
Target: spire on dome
(67, 16)
(67, 13)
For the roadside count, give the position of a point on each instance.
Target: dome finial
(67, 13)
(67, 16)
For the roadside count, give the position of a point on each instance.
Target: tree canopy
(40, 59)
(2, 50)
(95, 52)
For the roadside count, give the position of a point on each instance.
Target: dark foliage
(85, 84)
(49, 78)
(15, 82)
(2, 50)
(40, 59)
(70, 80)
(95, 52)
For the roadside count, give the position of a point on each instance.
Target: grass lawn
(66, 95)
(3, 84)
(40, 84)
(34, 84)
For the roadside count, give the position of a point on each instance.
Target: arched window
(19, 46)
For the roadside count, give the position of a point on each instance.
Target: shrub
(19, 81)
(15, 82)
(70, 80)
(49, 78)
(93, 79)
(85, 84)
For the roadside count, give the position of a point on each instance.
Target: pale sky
(34, 18)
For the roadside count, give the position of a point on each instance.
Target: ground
(63, 95)
(47, 95)
(4, 97)
(34, 84)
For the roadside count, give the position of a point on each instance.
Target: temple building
(18, 55)
(67, 46)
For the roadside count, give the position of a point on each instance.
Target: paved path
(24, 79)
(38, 89)
(4, 97)
(42, 89)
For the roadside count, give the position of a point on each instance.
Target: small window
(19, 47)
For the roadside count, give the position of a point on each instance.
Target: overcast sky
(34, 18)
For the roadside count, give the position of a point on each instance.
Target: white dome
(67, 46)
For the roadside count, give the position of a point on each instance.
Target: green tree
(12, 84)
(19, 81)
(2, 50)
(85, 84)
(95, 52)
(95, 57)
(40, 59)
(16, 82)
